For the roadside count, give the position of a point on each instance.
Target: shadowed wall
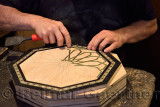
(156, 5)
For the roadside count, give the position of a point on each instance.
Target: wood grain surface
(62, 67)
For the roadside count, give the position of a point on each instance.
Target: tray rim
(43, 87)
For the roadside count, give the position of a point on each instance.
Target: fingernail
(46, 42)
(69, 45)
(89, 47)
(51, 42)
(106, 51)
(60, 45)
(93, 48)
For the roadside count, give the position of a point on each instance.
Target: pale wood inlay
(49, 67)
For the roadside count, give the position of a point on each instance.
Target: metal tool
(16, 40)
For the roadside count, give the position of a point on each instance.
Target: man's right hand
(51, 31)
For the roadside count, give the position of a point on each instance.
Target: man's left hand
(105, 37)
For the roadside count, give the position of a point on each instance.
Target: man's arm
(133, 33)
(51, 31)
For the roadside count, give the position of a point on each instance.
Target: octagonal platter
(63, 69)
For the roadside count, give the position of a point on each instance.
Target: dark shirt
(85, 18)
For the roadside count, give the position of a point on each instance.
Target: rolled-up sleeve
(147, 10)
(141, 10)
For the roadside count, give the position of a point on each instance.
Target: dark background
(143, 55)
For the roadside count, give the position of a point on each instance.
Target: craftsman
(99, 22)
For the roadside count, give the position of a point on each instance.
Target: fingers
(111, 47)
(104, 38)
(65, 33)
(103, 44)
(45, 37)
(93, 44)
(53, 31)
(59, 36)
(52, 38)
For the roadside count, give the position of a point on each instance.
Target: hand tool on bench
(16, 40)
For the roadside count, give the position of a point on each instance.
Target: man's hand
(51, 31)
(104, 38)
(133, 33)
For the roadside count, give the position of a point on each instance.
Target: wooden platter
(68, 77)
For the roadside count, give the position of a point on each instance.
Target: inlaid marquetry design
(63, 69)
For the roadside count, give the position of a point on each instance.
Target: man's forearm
(12, 19)
(138, 31)
(135, 32)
